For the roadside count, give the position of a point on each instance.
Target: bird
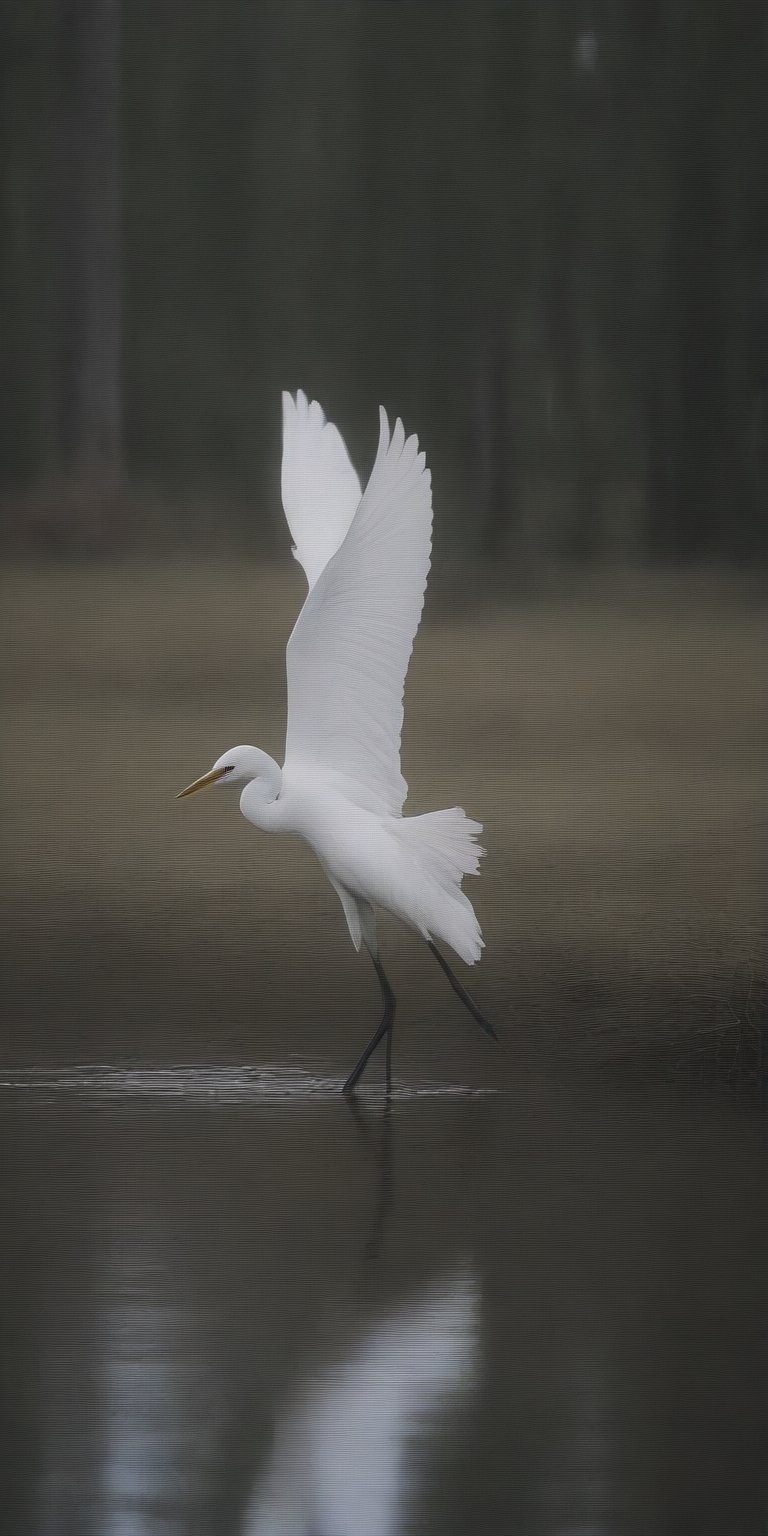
(366, 557)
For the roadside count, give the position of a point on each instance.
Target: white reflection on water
(344, 1456)
(266, 1084)
(128, 1406)
(154, 1393)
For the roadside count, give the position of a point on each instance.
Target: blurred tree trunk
(494, 72)
(494, 442)
(704, 78)
(696, 287)
(89, 405)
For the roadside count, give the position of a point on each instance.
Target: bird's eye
(230, 768)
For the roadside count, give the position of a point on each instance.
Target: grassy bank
(613, 744)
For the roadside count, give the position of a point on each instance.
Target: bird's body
(410, 865)
(366, 557)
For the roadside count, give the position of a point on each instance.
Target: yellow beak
(208, 778)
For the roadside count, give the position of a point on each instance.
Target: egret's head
(237, 766)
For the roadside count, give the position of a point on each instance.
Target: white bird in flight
(366, 558)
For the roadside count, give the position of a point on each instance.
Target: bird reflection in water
(345, 1454)
(348, 1442)
(182, 1389)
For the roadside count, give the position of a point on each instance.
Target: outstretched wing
(320, 489)
(349, 651)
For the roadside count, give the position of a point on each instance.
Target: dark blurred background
(539, 232)
(536, 228)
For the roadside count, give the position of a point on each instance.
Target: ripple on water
(202, 1084)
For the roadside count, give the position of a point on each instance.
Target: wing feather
(320, 489)
(348, 655)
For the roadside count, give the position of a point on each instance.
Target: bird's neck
(260, 794)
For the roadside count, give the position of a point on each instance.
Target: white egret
(366, 558)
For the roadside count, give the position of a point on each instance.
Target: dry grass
(614, 746)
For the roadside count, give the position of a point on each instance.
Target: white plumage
(349, 651)
(321, 492)
(366, 557)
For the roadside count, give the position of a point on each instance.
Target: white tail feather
(445, 849)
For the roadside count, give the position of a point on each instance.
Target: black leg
(379, 1151)
(462, 992)
(385, 1028)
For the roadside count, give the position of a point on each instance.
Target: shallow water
(235, 1304)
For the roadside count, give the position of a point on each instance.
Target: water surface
(233, 1304)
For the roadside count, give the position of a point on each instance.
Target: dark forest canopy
(538, 229)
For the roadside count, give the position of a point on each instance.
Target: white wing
(349, 651)
(320, 489)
